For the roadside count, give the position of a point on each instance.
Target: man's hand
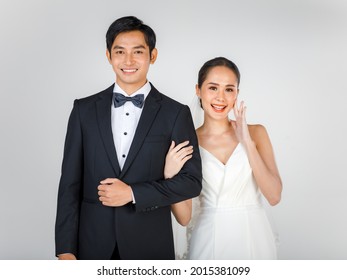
(114, 192)
(67, 256)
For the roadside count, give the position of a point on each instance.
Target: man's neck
(129, 89)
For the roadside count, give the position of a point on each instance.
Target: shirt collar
(143, 90)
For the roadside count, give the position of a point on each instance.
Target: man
(113, 201)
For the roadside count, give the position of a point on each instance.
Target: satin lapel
(150, 110)
(103, 111)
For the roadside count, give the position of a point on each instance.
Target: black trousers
(115, 254)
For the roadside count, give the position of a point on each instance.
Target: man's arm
(66, 227)
(186, 184)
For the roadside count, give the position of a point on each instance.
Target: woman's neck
(216, 127)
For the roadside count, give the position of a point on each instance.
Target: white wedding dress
(231, 222)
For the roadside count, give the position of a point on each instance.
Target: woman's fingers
(180, 146)
(236, 111)
(184, 152)
(181, 151)
(186, 158)
(244, 112)
(172, 146)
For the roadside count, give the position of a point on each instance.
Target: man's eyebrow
(136, 47)
(139, 47)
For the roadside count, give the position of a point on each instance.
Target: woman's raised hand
(240, 125)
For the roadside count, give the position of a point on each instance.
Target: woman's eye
(212, 88)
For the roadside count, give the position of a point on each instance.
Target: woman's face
(218, 92)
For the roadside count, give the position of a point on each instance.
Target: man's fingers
(101, 187)
(102, 193)
(108, 181)
(104, 199)
(104, 187)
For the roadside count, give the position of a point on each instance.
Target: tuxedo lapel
(150, 110)
(103, 111)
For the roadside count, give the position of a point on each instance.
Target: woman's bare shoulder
(258, 132)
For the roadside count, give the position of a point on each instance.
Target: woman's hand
(176, 157)
(240, 125)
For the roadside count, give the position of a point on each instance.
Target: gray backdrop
(292, 56)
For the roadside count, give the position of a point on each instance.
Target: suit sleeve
(186, 184)
(68, 205)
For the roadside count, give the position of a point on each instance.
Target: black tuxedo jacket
(143, 230)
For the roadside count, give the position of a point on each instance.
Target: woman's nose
(220, 95)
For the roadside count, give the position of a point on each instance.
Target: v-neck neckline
(213, 156)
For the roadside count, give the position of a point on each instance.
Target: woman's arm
(262, 161)
(176, 157)
(182, 211)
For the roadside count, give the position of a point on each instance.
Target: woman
(238, 168)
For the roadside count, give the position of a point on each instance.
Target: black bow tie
(120, 99)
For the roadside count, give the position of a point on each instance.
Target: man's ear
(108, 55)
(154, 55)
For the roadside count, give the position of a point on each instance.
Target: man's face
(130, 60)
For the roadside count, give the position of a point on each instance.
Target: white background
(292, 57)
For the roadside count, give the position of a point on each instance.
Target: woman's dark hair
(218, 61)
(127, 24)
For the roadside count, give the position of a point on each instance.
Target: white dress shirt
(124, 121)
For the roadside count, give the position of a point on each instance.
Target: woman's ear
(197, 90)
(198, 94)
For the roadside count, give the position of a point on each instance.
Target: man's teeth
(129, 70)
